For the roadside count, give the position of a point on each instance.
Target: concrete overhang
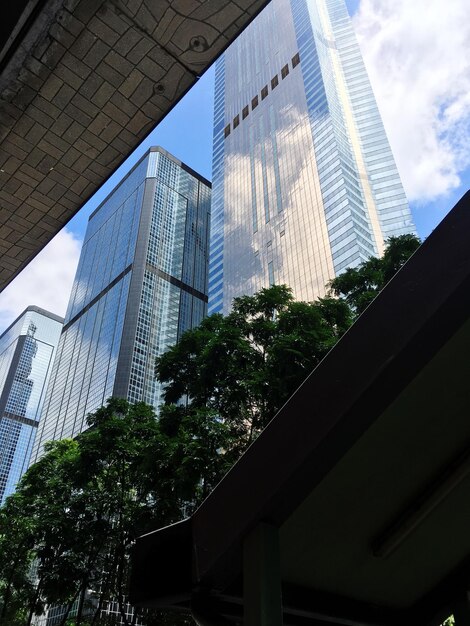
(82, 82)
(363, 477)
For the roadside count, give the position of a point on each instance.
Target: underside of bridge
(82, 82)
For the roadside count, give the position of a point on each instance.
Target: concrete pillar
(262, 599)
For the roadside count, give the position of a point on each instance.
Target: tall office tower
(141, 281)
(304, 181)
(27, 350)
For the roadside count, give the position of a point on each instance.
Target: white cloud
(417, 56)
(45, 282)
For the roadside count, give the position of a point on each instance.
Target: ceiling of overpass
(82, 83)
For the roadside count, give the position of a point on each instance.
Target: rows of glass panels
(349, 225)
(109, 244)
(216, 260)
(173, 296)
(298, 192)
(392, 206)
(26, 355)
(273, 220)
(85, 366)
(175, 249)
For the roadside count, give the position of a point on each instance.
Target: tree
(65, 536)
(17, 590)
(116, 475)
(237, 371)
(360, 285)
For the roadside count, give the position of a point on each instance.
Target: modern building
(304, 180)
(141, 281)
(27, 350)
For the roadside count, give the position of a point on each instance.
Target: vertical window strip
(271, 273)
(277, 175)
(265, 175)
(254, 208)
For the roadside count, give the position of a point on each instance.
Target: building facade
(27, 351)
(141, 281)
(304, 180)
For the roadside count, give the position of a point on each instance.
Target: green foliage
(76, 513)
(360, 285)
(16, 588)
(237, 371)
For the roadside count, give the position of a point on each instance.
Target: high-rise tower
(304, 180)
(141, 281)
(27, 350)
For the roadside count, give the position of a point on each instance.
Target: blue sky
(417, 57)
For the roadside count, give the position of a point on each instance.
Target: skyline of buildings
(425, 121)
(305, 185)
(27, 350)
(141, 281)
(304, 180)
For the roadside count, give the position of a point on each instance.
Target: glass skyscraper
(304, 181)
(141, 281)
(27, 350)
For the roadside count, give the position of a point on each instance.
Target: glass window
(295, 60)
(245, 112)
(284, 71)
(236, 121)
(274, 82)
(264, 92)
(227, 130)
(271, 273)
(254, 103)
